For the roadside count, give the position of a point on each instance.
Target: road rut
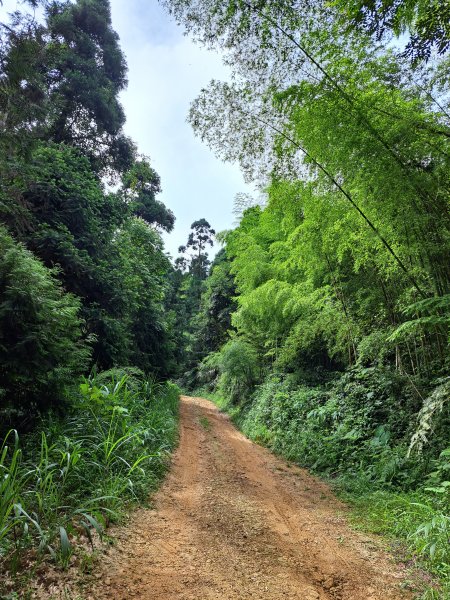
(232, 521)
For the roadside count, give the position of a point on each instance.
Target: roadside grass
(205, 423)
(62, 486)
(412, 518)
(219, 400)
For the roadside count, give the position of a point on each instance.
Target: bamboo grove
(346, 260)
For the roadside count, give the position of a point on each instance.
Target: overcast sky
(166, 72)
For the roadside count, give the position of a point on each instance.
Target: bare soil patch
(232, 521)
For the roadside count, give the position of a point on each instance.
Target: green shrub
(237, 363)
(359, 423)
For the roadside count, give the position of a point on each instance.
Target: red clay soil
(234, 522)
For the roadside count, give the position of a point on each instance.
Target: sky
(166, 72)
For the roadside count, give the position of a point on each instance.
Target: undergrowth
(62, 485)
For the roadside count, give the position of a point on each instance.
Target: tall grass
(10, 483)
(75, 475)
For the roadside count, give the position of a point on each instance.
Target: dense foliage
(41, 347)
(84, 280)
(426, 23)
(185, 301)
(110, 450)
(78, 196)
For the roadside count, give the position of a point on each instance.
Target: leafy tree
(195, 259)
(145, 268)
(141, 184)
(237, 363)
(178, 318)
(86, 70)
(187, 284)
(41, 342)
(211, 325)
(200, 237)
(61, 81)
(214, 319)
(63, 140)
(65, 217)
(428, 23)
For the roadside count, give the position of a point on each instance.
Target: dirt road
(234, 522)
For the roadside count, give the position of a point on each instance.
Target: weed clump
(66, 482)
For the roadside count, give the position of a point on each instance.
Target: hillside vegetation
(323, 324)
